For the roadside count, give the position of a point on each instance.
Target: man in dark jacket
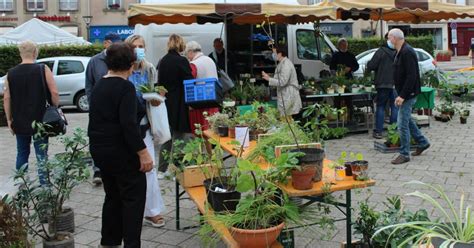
(382, 64)
(343, 58)
(96, 69)
(406, 75)
(219, 57)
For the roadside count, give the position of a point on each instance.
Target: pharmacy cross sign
(96, 32)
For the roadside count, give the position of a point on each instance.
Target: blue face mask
(274, 57)
(140, 53)
(390, 44)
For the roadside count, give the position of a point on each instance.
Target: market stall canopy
(239, 13)
(398, 10)
(41, 33)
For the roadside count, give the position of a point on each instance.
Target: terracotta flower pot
(232, 132)
(260, 238)
(303, 180)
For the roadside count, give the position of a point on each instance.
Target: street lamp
(87, 21)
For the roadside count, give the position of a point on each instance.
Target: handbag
(225, 80)
(53, 120)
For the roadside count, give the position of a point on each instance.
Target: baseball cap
(112, 36)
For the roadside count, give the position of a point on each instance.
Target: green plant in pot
(454, 228)
(64, 171)
(219, 123)
(393, 137)
(259, 119)
(209, 169)
(359, 167)
(260, 215)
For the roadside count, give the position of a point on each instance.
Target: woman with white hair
(202, 67)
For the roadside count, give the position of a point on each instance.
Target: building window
(6, 5)
(35, 5)
(114, 4)
(68, 5)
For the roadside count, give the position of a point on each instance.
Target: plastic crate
(203, 92)
(381, 147)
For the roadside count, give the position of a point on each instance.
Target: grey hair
(397, 33)
(192, 46)
(341, 40)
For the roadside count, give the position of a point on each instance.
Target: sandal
(156, 221)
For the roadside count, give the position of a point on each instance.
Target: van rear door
(312, 53)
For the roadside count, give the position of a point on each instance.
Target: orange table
(314, 194)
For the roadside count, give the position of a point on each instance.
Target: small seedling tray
(381, 147)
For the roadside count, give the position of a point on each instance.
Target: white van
(312, 53)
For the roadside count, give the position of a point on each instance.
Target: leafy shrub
(359, 45)
(10, 56)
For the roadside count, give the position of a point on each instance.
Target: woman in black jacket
(173, 69)
(116, 144)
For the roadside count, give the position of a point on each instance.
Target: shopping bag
(224, 79)
(160, 127)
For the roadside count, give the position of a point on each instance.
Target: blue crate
(202, 91)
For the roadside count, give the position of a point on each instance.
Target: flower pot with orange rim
(303, 179)
(256, 238)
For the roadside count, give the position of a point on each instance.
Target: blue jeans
(23, 143)
(408, 128)
(384, 97)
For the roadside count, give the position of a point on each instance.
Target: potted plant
(13, 227)
(149, 93)
(260, 118)
(260, 215)
(452, 229)
(341, 89)
(63, 172)
(218, 123)
(359, 167)
(393, 137)
(330, 90)
(463, 114)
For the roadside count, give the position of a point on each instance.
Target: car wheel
(81, 102)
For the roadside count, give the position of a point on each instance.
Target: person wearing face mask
(406, 75)
(286, 82)
(343, 58)
(116, 144)
(27, 88)
(382, 64)
(144, 73)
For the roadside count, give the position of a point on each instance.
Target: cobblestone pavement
(448, 162)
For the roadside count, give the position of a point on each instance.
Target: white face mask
(140, 53)
(274, 57)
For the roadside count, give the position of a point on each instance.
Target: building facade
(107, 15)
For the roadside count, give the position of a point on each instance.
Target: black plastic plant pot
(312, 157)
(436, 242)
(221, 201)
(463, 120)
(348, 168)
(223, 131)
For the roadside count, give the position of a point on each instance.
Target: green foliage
(334, 133)
(394, 214)
(10, 56)
(265, 148)
(454, 225)
(358, 45)
(63, 172)
(261, 117)
(216, 120)
(318, 122)
(430, 79)
(366, 222)
(393, 137)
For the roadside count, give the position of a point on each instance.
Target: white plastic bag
(159, 121)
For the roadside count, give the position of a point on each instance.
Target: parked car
(70, 75)
(426, 62)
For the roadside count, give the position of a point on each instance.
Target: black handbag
(53, 120)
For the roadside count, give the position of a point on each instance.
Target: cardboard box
(194, 175)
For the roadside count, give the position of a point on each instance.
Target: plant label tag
(242, 136)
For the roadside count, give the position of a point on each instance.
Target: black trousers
(124, 206)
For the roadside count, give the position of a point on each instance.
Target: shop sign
(54, 18)
(97, 33)
(8, 19)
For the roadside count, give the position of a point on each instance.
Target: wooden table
(314, 194)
